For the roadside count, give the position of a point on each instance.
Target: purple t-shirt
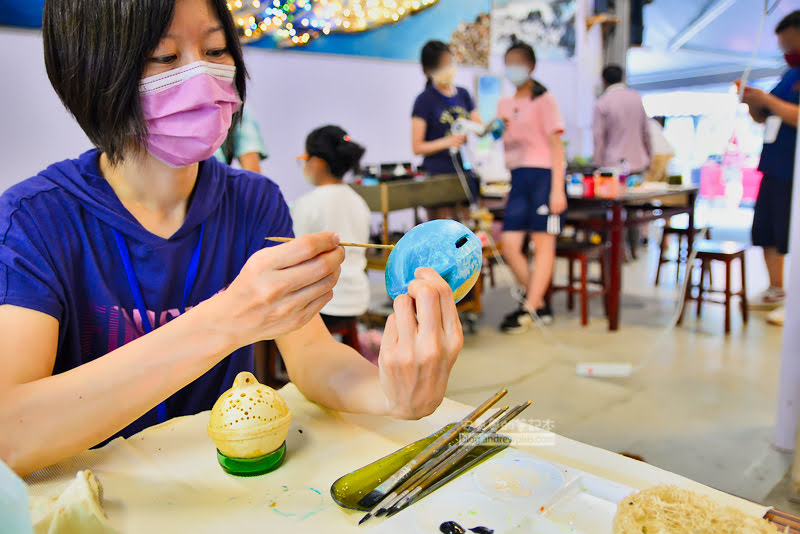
(59, 256)
(439, 113)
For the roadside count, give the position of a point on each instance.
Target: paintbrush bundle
(413, 472)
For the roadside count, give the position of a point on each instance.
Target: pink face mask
(188, 111)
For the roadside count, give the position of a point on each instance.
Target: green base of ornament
(251, 467)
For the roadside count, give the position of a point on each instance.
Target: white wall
(290, 94)
(35, 130)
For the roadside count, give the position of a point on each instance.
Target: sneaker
(776, 317)
(769, 299)
(545, 314)
(516, 322)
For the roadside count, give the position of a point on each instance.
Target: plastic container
(607, 184)
(588, 187)
(575, 185)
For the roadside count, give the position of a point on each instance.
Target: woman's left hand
(558, 202)
(420, 345)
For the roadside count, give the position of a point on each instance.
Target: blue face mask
(518, 74)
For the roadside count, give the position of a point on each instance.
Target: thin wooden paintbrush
(432, 477)
(377, 495)
(437, 460)
(430, 465)
(465, 448)
(361, 245)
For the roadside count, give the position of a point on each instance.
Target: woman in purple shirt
(134, 279)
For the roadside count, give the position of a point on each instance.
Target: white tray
(515, 492)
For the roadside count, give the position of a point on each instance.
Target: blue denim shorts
(528, 208)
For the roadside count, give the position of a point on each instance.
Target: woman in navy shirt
(134, 279)
(436, 109)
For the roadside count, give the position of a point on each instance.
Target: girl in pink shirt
(537, 201)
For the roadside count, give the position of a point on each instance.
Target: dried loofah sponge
(669, 510)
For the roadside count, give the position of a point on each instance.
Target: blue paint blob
(447, 246)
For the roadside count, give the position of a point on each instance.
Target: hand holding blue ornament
(447, 246)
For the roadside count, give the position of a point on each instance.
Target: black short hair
(613, 74)
(332, 145)
(792, 20)
(95, 52)
(523, 47)
(431, 55)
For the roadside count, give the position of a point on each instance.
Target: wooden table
(612, 215)
(404, 194)
(615, 215)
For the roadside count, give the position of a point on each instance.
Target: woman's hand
(455, 141)
(558, 202)
(281, 288)
(754, 96)
(420, 345)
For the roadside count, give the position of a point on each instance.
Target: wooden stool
(727, 252)
(682, 233)
(346, 327)
(489, 262)
(581, 253)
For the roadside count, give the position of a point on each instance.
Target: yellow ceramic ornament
(249, 424)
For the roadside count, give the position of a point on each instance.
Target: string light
(297, 22)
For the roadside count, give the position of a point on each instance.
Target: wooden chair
(681, 232)
(581, 253)
(269, 366)
(489, 263)
(346, 328)
(726, 252)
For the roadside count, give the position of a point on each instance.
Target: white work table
(167, 479)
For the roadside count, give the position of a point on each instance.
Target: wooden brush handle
(360, 245)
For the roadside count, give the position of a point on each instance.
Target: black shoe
(545, 314)
(516, 322)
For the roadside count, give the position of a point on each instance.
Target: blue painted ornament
(446, 246)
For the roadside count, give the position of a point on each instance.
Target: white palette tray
(515, 492)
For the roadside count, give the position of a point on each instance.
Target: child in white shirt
(333, 206)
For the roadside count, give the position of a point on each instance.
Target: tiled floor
(701, 405)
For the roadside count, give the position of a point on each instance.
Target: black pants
(772, 214)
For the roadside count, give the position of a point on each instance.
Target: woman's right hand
(455, 141)
(281, 288)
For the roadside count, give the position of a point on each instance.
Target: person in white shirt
(333, 206)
